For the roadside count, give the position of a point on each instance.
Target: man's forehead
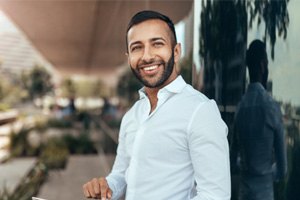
(156, 26)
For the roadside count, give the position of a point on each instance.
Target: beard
(167, 71)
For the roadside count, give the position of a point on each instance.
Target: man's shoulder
(269, 102)
(131, 109)
(191, 94)
(257, 97)
(259, 100)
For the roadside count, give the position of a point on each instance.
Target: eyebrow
(157, 38)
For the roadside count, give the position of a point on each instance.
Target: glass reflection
(222, 32)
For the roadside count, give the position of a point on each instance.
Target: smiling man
(173, 138)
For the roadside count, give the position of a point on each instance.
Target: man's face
(150, 53)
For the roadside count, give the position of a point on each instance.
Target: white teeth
(150, 68)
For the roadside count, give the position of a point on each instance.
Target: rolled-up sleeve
(208, 144)
(116, 179)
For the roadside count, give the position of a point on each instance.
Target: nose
(148, 54)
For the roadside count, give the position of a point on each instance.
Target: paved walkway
(67, 184)
(12, 172)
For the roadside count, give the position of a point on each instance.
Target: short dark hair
(148, 15)
(255, 54)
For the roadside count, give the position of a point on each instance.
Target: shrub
(4, 107)
(20, 145)
(55, 154)
(61, 123)
(79, 145)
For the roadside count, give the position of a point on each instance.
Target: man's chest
(163, 138)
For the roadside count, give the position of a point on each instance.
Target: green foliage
(128, 86)
(37, 82)
(68, 88)
(83, 88)
(79, 145)
(55, 154)
(223, 21)
(100, 89)
(41, 124)
(274, 14)
(59, 123)
(20, 146)
(186, 68)
(91, 88)
(4, 107)
(114, 123)
(10, 92)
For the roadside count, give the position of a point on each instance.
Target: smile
(150, 68)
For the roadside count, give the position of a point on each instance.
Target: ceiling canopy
(84, 36)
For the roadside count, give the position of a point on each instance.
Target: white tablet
(35, 198)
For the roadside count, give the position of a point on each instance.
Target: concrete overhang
(84, 36)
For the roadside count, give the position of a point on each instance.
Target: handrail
(109, 131)
(105, 128)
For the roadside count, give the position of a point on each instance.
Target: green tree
(186, 69)
(100, 89)
(10, 93)
(91, 88)
(37, 82)
(68, 88)
(223, 41)
(220, 19)
(128, 86)
(83, 88)
(274, 14)
(223, 38)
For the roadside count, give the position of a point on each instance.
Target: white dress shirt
(163, 154)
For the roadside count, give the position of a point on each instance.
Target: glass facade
(222, 32)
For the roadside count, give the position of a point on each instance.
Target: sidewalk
(12, 171)
(67, 184)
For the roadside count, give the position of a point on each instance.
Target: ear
(177, 52)
(127, 55)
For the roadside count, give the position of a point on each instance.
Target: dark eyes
(135, 48)
(139, 47)
(158, 44)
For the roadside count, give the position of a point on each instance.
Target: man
(258, 132)
(173, 136)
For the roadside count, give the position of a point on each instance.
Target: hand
(97, 189)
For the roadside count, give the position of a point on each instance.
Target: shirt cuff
(117, 186)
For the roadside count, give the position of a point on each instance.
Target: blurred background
(65, 83)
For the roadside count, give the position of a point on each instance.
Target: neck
(152, 96)
(152, 92)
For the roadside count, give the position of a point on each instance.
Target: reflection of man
(173, 136)
(258, 132)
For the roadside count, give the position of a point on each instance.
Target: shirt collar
(175, 86)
